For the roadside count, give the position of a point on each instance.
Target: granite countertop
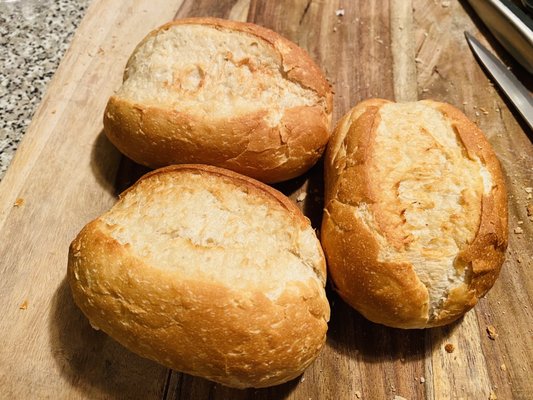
(34, 35)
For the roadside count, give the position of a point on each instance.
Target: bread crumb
(301, 197)
(334, 29)
(529, 209)
(399, 398)
(445, 4)
(528, 189)
(422, 379)
(94, 326)
(418, 60)
(492, 395)
(491, 330)
(518, 230)
(303, 379)
(19, 202)
(339, 12)
(520, 222)
(24, 305)
(503, 367)
(449, 347)
(358, 394)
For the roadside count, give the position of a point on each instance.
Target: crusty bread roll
(208, 272)
(415, 221)
(224, 93)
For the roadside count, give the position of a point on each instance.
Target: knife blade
(513, 89)
(510, 25)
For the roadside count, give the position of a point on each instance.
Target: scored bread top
(417, 177)
(216, 68)
(429, 195)
(200, 219)
(224, 93)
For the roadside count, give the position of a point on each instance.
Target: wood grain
(67, 173)
(403, 51)
(443, 75)
(64, 171)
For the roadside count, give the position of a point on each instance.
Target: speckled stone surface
(34, 35)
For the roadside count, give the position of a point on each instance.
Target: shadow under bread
(105, 161)
(356, 337)
(93, 363)
(313, 204)
(187, 387)
(312, 184)
(113, 171)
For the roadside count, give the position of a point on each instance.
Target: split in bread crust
(224, 93)
(415, 225)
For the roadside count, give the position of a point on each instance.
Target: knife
(513, 89)
(510, 25)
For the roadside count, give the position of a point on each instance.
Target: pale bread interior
(427, 207)
(209, 228)
(211, 71)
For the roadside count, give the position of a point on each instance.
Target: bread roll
(207, 272)
(415, 221)
(224, 93)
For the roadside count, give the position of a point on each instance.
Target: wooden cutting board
(66, 172)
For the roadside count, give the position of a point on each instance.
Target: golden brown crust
(487, 251)
(386, 292)
(240, 338)
(245, 144)
(156, 137)
(362, 281)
